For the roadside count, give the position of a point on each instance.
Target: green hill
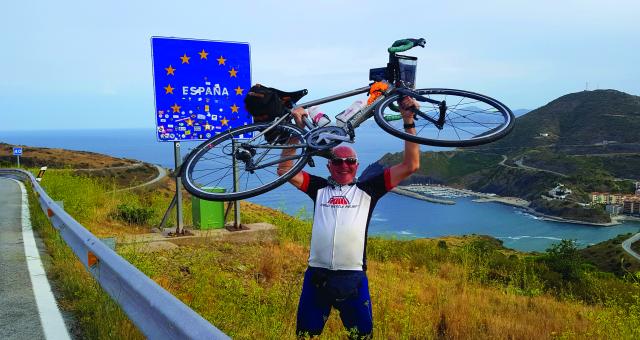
(586, 140)
(601, 121)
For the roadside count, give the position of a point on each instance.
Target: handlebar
(406, 44)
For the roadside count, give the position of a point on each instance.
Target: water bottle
(319, 119)
(343, 117)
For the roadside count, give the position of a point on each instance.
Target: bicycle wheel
(208, 172)
(470, 119)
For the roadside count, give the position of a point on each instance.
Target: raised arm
(411, 160)
(296, 180)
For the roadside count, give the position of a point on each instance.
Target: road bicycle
(242, 162)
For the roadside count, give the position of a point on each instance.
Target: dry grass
(61, 158)
(260, 284)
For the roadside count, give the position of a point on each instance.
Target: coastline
(512, 201)
(404, 192)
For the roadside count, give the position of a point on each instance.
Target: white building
(613, 209)
(560, 192)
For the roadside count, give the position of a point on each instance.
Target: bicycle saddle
(291, 97)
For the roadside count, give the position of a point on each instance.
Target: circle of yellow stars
(184, 59)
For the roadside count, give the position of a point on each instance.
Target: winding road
(162, 173)
(626, 245)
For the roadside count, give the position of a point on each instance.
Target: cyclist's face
(343, 171)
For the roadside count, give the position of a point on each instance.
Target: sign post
(199, 88)
(17, 152)
(236, 204)
(178, 162)
(41, 173)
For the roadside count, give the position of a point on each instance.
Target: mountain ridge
(586, 140)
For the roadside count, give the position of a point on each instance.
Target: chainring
(318, 139)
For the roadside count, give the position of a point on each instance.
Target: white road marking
(50, 317)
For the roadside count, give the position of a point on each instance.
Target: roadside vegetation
(455, 287)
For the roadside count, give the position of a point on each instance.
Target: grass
(457, 287)
(96, 315)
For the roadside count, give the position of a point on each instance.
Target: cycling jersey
(341, 219)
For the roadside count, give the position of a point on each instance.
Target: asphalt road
(626, 245)
(26, 301)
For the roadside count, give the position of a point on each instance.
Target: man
(336, 274)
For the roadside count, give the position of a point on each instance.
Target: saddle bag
(264, 103)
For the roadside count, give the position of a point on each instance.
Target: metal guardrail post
(157, 313)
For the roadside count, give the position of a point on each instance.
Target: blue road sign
(199, 87)
(17, 151)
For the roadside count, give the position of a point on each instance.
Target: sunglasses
(339, 161)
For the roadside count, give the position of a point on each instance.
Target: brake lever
(419, 42)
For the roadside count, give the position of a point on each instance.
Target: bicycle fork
(442, 107)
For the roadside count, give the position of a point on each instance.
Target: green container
(207, 214)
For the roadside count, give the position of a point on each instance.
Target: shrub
(132, 214)
(564, 258)
(442, 244)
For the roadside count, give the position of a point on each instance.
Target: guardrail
(157, 313)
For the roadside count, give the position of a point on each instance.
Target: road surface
(626, 245)
(27, 307)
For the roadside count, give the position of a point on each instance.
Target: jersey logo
(338, 200)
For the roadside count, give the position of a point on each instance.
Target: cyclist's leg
(356, 312)
(313, 311)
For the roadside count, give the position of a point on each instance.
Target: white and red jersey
(341, 219)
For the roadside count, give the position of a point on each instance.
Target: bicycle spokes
(243, 166)
(449, 117)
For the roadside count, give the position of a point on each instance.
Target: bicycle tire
(490, 121)
(211, 163)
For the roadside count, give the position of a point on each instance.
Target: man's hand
(298, 114)
(411, 161)
(406, 104)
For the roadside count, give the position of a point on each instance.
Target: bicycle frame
(266, 149)
(358, 118)
(364, 113)
(367, 112)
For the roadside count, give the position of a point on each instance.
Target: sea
(395, 216)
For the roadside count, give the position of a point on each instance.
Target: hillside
(587, 140)
(608, 256)
(59, 158)
(451, 287)
(601, 121)
(455, 287)
(122, 172)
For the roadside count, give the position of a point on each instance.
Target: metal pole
(236, 204)
(165, 217)
(18, 157)
(178, 161)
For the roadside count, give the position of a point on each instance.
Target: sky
(87, 64)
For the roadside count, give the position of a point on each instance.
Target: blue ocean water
(395, 215)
